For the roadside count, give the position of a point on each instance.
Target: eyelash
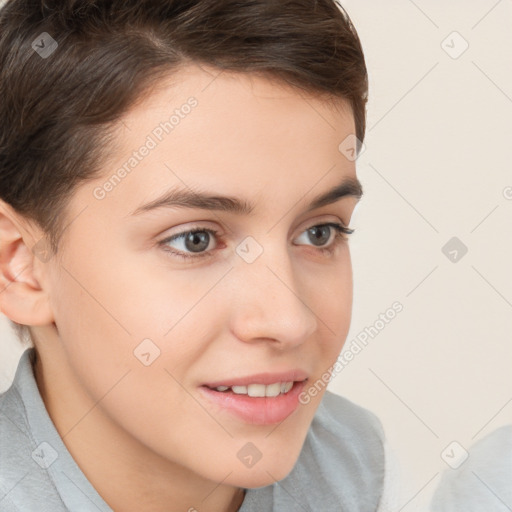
(342, 233)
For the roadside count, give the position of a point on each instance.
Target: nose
(269, 304)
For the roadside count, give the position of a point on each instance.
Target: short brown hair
(58, 112)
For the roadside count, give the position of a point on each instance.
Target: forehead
(259, 104)
(223, 131)
(222, 87)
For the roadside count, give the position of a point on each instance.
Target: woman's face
(151, 317)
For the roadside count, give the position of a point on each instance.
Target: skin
(143, 435)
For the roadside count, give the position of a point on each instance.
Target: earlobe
(22, 298)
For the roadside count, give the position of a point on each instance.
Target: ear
(22, 298)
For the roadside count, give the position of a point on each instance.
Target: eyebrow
(181, 198)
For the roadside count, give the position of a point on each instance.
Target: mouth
(256, 403)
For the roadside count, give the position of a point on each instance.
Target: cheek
(94, 306)
(154, 295)
(98, 349)
(330, 295)
(107, 308)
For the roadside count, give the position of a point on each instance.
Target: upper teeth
(259, 389)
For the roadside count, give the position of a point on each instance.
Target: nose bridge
(268, 302)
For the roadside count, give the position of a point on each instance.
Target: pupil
(319, 236)
(197, 242)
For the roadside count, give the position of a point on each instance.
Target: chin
(262, 475)
(258, 478)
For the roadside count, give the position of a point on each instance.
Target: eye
(323, 233)
(196, 241)
(193, 244)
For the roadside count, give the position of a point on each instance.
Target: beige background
(437, 165)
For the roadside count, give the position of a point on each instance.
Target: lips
(260, 399)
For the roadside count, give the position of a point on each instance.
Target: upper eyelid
(198, 226)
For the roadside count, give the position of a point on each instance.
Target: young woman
(177, 180)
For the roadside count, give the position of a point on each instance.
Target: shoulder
(488, 466)
(350, 441)
(347, 418)
(13, 417)
(14, 430)
(24, 484)
(15, 446)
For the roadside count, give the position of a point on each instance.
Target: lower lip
(257, 410)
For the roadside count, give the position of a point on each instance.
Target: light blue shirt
(483, 483)
(340, 468)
